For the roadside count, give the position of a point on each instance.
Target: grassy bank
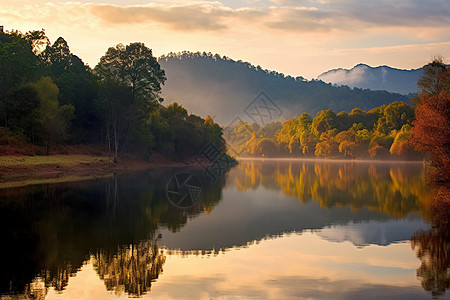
(26, 170)
(61, 160)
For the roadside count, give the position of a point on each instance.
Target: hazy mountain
(209, 84)
(378, 78)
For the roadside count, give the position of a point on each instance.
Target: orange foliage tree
(431, 129)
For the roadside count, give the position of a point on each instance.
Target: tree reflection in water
(432, 247)
(385, 187)
(52, 230)
(132, 269)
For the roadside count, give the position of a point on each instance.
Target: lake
(267, 229)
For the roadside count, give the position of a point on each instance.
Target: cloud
(284, 15)
(312, 35)
(303, 19)
(180, 17)
(394, 13)
(348, 15)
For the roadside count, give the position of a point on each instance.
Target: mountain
(378, 78)
(229, 90)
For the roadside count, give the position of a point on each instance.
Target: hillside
(209, 84)
(375, 78)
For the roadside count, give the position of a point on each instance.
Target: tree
(347, 144)
(76, 87)
(348, 148)
(308, 142)
(137, 73)
(286, 132)
(134, 66)
(343, 121)
(435, 78)
(397, 114)
(213, 132)
(267, 147)
(430, 133)
(326, 148)
(378, 152)
(401, 145)
(22, 105)
(323, 121)
(53, 119)
(18, 64)
(60, 60)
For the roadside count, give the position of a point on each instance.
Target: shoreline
(332, 160)
(17, 171)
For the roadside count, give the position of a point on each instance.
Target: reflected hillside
(49, 231)
(395, 190)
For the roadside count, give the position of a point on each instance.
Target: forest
(49, 97)
(391, 131)
(379, 133)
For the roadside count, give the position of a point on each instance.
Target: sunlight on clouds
(305, 263)
(261, 270)
(304, 37)
(185, 17)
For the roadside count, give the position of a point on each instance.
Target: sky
(294, 37)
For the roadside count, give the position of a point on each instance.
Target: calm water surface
(264, 230)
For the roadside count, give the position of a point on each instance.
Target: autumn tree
(323, 121)
(347, 143)
(308, 142)
(430, 133)
(401, 145)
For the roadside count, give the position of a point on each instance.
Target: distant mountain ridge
(223, 88)
(375, 78)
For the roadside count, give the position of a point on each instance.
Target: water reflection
(132, 269)
(49, 231)
(127, 230)
(393, 189)
(432, 247)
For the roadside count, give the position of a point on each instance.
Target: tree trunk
(116, 143)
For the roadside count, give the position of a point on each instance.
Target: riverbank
(20, 170)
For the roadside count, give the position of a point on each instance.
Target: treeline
(48, 96)
(378, 133)
(396, 130)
